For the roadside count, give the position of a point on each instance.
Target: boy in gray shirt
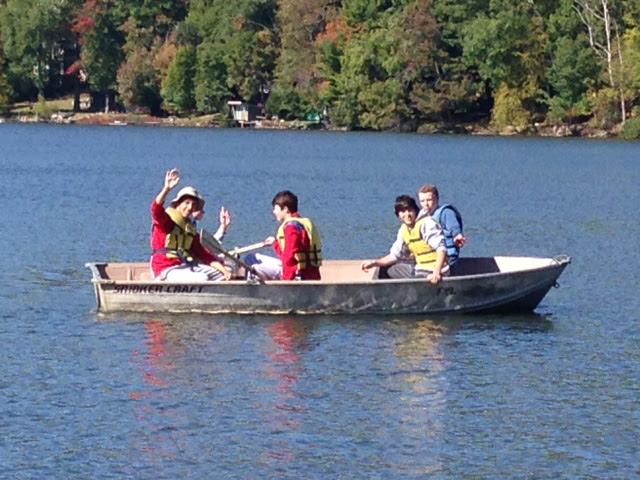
(419, 249)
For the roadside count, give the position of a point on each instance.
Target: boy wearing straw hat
(178, 255)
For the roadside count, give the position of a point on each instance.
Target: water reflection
(452, 323)
(155, 439)
(155, 359)
(287, 342)
(168, 360)
(242, 370)
(423, 386)
(425, 349)
(269, 380)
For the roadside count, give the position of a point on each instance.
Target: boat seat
(346, 271)
(331, 271)
(128, 272)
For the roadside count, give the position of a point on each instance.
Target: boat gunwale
(561, 261)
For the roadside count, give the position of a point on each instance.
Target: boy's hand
(171, 178)
(434, 278)
(367, 264)
(225, 218)
(460, 240)
(270, 240)
(222, 269)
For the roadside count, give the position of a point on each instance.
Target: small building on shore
(244, 114)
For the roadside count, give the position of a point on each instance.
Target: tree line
(372, 64)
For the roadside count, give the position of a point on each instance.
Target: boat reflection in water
(285, 345)
(283, 390)
(167, 368)
(154, 441)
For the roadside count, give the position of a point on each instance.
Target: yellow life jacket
(425, 255)
(313, 257)
(179, 240)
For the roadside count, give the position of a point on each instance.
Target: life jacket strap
(181, 254)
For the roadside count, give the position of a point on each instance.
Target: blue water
(554, 394)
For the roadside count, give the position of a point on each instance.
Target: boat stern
(98, 277)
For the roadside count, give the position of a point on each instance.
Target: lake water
(554, 394)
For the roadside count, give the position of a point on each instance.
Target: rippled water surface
(553, 394)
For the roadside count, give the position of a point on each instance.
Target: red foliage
(83, 25)
(334, 30)
(84, 20)
(73, 68)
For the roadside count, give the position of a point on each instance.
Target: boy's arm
(436, 275)
(385, 261)
(397, 251)
(171, 179)
(160, 218)
(433, 235)
(158, 215)
(450, 222)
(225, 220)
(292, 245)
(452, 225)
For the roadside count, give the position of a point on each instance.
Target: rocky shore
(216, 121)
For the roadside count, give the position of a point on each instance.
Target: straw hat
(188, 192)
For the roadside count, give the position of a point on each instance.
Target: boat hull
(503, 291)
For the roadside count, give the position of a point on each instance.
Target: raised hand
(171, 178)
(225, 218)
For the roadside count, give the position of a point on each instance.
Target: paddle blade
(211, 244)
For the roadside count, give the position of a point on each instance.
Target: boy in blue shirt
(448, 217)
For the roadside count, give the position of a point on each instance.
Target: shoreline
(579, 130)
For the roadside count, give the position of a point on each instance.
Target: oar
(248, 248)
(210, 242)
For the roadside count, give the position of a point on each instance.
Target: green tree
(631, 52)
(357, 12)
(427, 72)
(631, 45)
(5, 90)
(33, 32)
(507, 45)
(572, 74)
(250, 62)
(382, 70)
(161, 16)
(602, 21)
(295, 91)
(574, 71)
(120, 40)
(178, 89)
(138, 79)
(367, 63)
(237, 40)
(211, 89)
(455, 91)
(98, 27)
